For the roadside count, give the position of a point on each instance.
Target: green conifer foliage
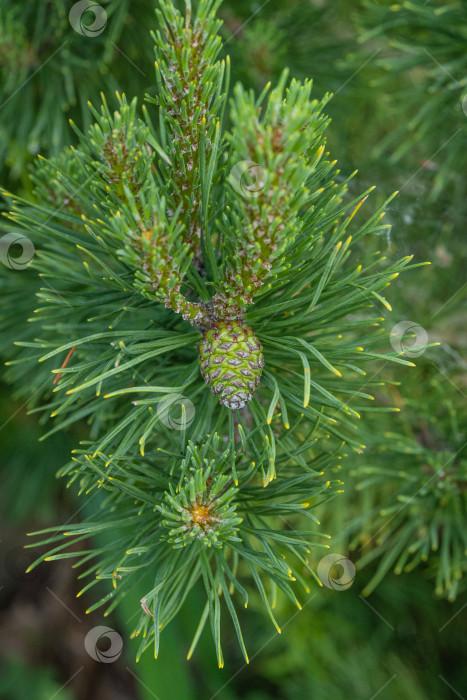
(157, 235)
(408, 493)
(424, 66)
(54, 57)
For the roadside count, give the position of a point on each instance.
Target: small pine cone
(231, 361)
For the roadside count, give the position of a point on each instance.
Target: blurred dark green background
(399, 115)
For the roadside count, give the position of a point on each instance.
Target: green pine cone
(231, 361)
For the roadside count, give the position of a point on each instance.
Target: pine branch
(414, 516)
(201, 440)
(190, 98)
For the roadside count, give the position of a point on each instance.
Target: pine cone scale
(231, 362)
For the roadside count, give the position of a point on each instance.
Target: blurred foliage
(17, 681)
(54, 57)
(346, 647)
(424, 63)
(305, 36)
(29, 465)
(398, 72)
(407, 494)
